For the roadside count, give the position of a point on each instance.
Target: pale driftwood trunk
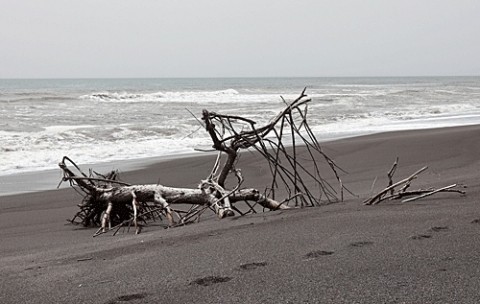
(165, 196)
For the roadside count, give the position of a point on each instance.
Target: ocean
(108, 120)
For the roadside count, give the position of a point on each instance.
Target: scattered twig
(377, 198)
(402, 192)
(431, 193)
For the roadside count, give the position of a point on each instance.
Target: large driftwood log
(109, 201)
(110, 197)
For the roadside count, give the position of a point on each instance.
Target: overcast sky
(230, 38)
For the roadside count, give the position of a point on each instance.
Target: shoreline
(48, 179)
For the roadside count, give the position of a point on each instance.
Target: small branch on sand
(402, 192)
(444, 189)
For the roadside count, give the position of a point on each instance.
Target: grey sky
(228, 38)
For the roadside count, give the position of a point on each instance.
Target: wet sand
(427, 251)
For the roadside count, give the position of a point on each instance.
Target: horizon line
(228, 77)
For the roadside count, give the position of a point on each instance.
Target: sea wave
(31, 98)
(32, 151)
(179, 96)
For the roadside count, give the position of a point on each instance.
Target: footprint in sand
(317, 254)
(420, 236)
(251, 266)
(127, 298)
(210, 280)
(360, 244)
(439, 228)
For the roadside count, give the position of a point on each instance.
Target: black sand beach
(427, 251)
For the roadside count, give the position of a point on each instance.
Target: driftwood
(390, 192)
(111, 204)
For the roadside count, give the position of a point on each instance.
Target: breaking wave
(185, 96)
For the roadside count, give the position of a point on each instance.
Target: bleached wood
(107, 200)
(374, 199)
(428, 193)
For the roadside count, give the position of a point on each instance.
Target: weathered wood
(208, 194)
(376, 198)
(443, 189)
(109, 201)
(391, 173)
(402, 192)
(255, 196)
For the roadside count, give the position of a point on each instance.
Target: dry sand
(426, 251)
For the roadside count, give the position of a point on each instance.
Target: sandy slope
(422, 252)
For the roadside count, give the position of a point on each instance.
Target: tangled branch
(108, 202)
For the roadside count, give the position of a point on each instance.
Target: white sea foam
(221, 96)
(47, 152)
